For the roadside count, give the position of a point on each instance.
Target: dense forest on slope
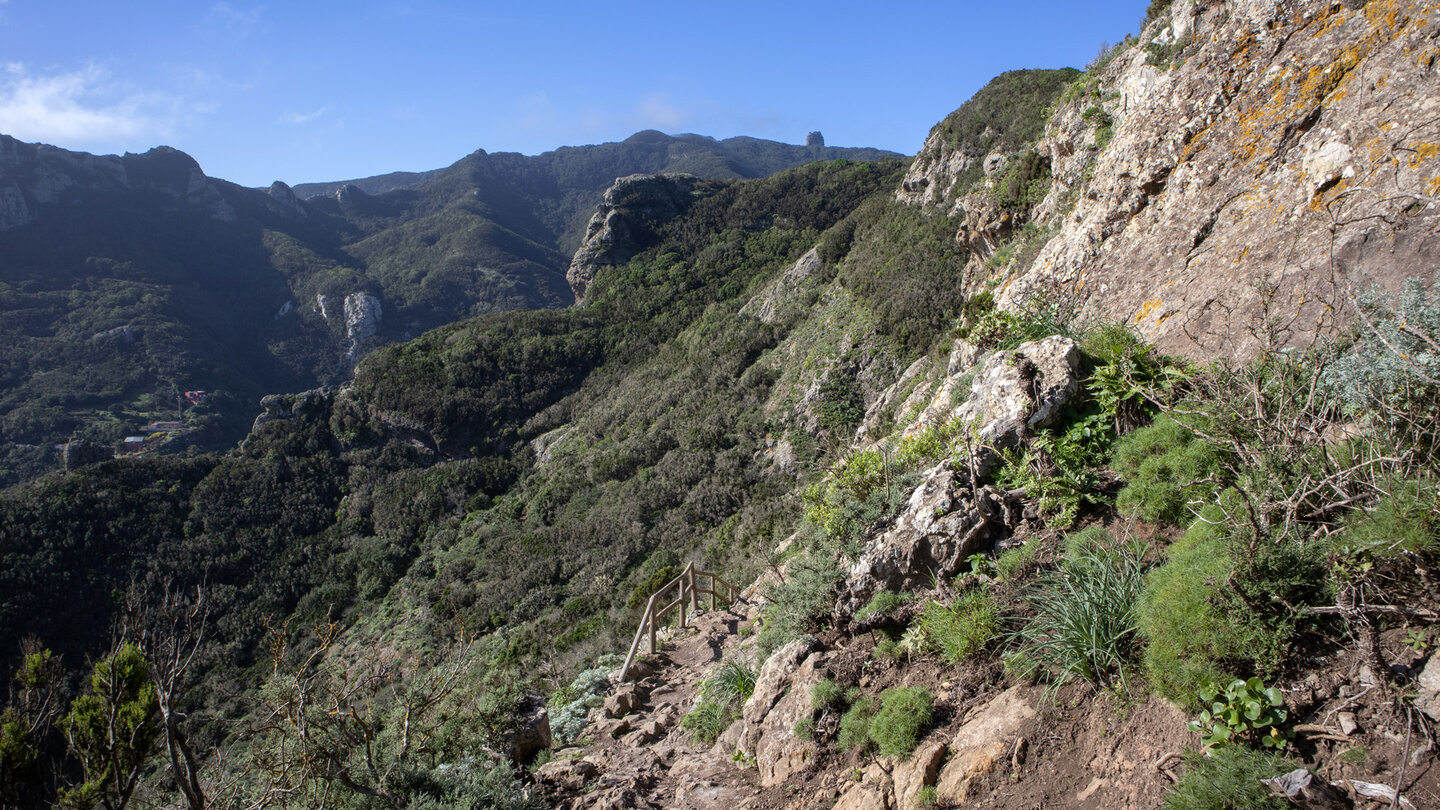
(128, 281)
(520, 474)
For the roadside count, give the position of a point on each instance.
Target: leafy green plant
(960, 629)
(1084, 621)
(805, 728)
(1245, 712)
(1192, 637)
(927, 797)
(1229, 779)
(905, 711)
(800, 601)
(1406, 519)
(112, 729)
(1057, 470)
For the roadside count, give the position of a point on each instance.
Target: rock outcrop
(362, 320)
(33, 176)
(310, 404)
(1241, 163)
(625, 223)
(954, 513)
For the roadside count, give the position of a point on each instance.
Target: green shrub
(804, 598)
(1167, 468)
(708, 720)
(1057, 469)
(1127, 372)
(1192, 637)
(855, 724)
(883, 603)
(1087, 541)
(891, 649)
(1229, 779)
(1014, 562)
(1084, 615)
(1406, 519)
(905, 712)
(958, 630)
(826, 694)
(927, 797)
(721, 697)
(805, 728)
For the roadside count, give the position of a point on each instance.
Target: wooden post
(651, 620)
(694, 597)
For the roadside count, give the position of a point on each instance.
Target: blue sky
(308, 91)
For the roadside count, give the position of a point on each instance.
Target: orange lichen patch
(1147, 308)
(1433, 187)
(1424, 152)
(1387, 15)
(1320, 200)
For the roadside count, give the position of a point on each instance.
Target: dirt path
(638, 756)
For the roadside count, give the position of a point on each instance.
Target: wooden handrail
(689, 597)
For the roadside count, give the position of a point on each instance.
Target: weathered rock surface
(983, 741)
(532, 732)
(872, 791)
(82, 452)
(783, 295)
(304, 405)
(1263, 158)
(1428, 685)
(625, 222)
(781, 698)
(363, 314)
(953, 513)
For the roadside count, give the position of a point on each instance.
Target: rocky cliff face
(34, 175)
(1241, 161)
(625, 223)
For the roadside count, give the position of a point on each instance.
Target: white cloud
(233, 20)
(82, 107)
(658, 112)
(302, 118)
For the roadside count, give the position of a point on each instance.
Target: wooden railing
(687, 587)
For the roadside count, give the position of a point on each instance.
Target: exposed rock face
(1428, 685)
(624, 225)
(783, 294)
(953, 513)
(532, 734)
(815, 139)
(781, 697)
(83, 452)
(362, 319)
(1253, 147)
(982, 742)
(934, 173)
(33, 175)
(284, 195)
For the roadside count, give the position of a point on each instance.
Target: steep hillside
(994, 546)
(1240, 161)
(131, 280)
